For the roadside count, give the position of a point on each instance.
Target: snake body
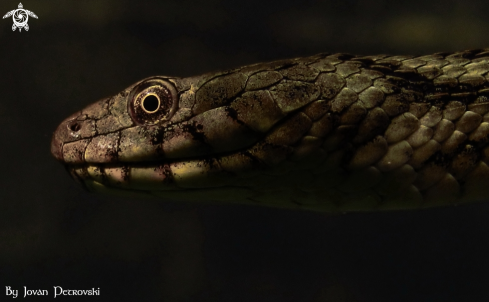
(330, 132)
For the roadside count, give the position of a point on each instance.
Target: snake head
(163, 133)
(196, 138)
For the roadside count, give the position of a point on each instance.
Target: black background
(54, 233)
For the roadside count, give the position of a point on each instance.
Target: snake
(332, 132)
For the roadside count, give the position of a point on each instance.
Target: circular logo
(20, 17)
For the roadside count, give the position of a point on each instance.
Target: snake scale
(329, 132)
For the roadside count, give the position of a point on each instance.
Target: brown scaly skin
(330, 132)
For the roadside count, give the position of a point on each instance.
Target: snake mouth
(154, 176)
(112, 180)
(178, 181)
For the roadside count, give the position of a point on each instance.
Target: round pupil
(150, 103)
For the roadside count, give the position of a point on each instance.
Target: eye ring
(149, 101)
(152, 101)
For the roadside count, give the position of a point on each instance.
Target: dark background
(54, 233)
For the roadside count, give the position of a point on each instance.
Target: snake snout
(57, 148)
(68, 131)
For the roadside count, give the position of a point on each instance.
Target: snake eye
(152, 101)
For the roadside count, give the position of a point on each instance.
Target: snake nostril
(74, 126)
